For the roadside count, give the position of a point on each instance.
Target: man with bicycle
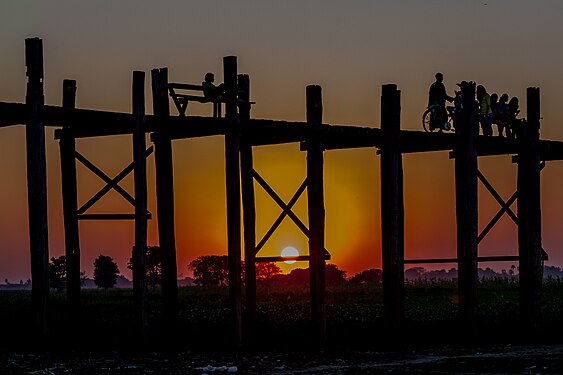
(437, 96)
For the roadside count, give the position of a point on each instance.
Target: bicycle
(432, 118)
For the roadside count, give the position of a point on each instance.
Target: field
(354, 323)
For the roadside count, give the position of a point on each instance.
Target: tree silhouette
(57, 273)
(105, 272)
(210, 270)
(265, 270)
(371, 276)
(334, 275)
(153, 264)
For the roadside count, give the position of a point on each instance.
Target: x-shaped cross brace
(505, 206)
(111, 183)
(285, 207)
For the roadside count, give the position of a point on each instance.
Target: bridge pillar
(392, 209)
(466, 207)
(529, 214)
(316, 211)
(37, 184)
(232, 171)
(140, 178)
(248, 205)
(67, 146)
(165, 200)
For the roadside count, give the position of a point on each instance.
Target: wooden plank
(392, 210)
(67, 146)
(316, 211)
(232, 172)
(165, 199)
(37, 186)
(467, 209)
(12, 114)
(101, 217)
(140, 180)
(529, 216)
(298, 258)
(248, 204)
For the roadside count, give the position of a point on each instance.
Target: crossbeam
(282, 216)
(111, 183)
(92, 123)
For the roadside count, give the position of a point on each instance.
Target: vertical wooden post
(165, 199)
(392, 210)
(232, 170)
(466, 207)
(37, 184)
(67, 146)
(140, 177)
(316, 211)
(529, 214)
(248, 203)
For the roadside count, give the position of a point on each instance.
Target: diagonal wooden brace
(282, 216)
(110, 183)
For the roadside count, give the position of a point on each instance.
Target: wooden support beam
(316, 211)
(286, 210)
(67, 146)
(529, 215)
(466, 208)
(248, 204)
(392, 209)
(165, 199)
(37, 185)
(102, 217)
(297, 258)
(112, 184)
(140, 178)
(232, 171)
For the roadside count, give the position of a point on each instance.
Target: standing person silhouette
(437, 95)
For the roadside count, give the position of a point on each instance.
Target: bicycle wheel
(426, 120)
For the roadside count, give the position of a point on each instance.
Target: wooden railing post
(67, 146)
(140, 178)
(165, 199)
(392, 210)
(316, 211)
(37, 184)
(248, 204)
(466, 207)
(232, 171)
(529, 214)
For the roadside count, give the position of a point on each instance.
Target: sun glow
(289, 251)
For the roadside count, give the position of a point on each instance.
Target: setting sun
(289, 251)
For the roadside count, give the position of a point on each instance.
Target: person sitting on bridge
(437, 95)
(485, 111)
(518, 126)
(500, 117)
(210, 91)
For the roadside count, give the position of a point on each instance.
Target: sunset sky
(349, 48)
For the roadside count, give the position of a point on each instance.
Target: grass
(354, 317)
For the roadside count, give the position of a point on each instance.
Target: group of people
(491, 109)
(499, 111)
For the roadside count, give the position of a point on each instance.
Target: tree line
(213, 270)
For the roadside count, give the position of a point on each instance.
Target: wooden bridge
(241, 134)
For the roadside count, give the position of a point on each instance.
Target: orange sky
(351, 50)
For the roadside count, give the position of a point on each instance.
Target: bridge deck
(93, 123)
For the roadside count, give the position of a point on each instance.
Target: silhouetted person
(485, 111)
(210, 91)
(437, 95)
(214, 93)
(516, 125)
(501, 118)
